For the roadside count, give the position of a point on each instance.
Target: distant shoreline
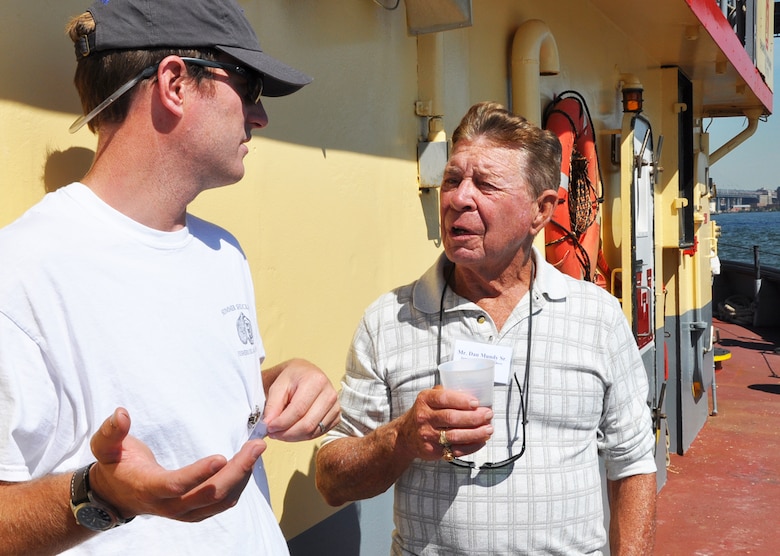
(733, 210)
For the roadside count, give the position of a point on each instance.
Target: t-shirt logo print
(244, 327)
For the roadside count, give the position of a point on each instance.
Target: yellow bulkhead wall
(329, 211)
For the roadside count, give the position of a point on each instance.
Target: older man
(522, 476)
(116, 302)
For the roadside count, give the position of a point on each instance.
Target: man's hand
(358, 467)
(301, 402)
(128, 477)
(466, 426)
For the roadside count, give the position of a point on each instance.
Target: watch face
(94, 518)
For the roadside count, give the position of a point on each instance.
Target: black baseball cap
(217, 24)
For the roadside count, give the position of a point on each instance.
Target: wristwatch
(90, 511)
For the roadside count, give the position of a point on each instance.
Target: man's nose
(462, 197)
(256, 116)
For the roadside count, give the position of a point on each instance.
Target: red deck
(723, 496)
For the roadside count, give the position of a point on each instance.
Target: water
(740, 231)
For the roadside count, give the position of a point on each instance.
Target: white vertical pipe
(534, 53)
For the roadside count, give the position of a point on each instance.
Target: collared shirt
(587, 397)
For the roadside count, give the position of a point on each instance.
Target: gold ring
(447, 455)
(443, 438)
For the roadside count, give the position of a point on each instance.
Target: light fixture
(632, 91)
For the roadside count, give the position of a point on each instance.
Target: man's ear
(172, 84)
(546, 203)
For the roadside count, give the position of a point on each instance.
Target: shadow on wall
(64, 167)
(48, 61)
(429, 200)
(334, 112)
(363, 528)
(336, 535)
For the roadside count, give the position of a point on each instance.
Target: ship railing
(747, 293)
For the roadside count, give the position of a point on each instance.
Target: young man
(115, 302)
(522, 476)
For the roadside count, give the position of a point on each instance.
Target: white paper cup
(474, 376)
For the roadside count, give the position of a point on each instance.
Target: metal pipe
(752, 116)
(430, 72)
(756, 262)
(714, 380)
(756, 284)
(534, 53)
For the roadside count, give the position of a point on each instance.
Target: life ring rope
(577, 133)
(573, 234)
(580, 252)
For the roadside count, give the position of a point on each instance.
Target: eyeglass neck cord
(524, 398)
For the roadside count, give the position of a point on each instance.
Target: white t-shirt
(99, 311)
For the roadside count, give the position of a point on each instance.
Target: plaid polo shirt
(587, 397)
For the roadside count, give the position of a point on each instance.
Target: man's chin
(463, 256)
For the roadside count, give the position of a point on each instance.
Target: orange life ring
(573, 236)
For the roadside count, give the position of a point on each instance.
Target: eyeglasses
(522, 389)
(254, 81)
(490, 465)
(254, 86)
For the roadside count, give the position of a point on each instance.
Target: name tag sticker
(502, 355)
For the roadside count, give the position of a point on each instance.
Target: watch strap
(81, 493)
(79, 485)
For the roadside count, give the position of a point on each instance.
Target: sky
(753, 164)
